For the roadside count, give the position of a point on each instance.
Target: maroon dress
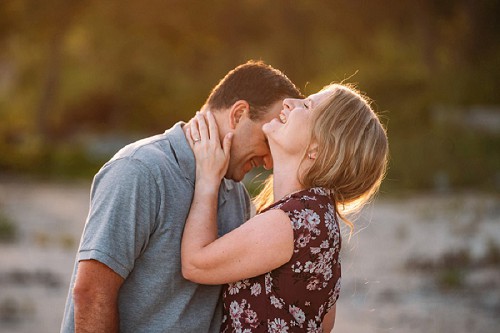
(296, 296)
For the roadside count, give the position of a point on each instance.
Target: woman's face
(292, 129)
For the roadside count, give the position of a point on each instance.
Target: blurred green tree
(84, 68)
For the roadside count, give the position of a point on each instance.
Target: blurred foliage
(8, 230)
(70, 70)
(450, 279)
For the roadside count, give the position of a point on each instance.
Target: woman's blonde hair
(352, 151)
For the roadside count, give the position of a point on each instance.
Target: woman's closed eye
(307, 104)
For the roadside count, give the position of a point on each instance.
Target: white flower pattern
(268, 303)
(256, 289)
(276, 302)
(278, 325)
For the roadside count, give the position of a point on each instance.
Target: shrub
(8, 230)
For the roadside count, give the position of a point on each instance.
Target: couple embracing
(170, 245)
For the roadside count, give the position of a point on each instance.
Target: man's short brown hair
(255, 82)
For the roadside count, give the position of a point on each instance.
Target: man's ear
(239, 110)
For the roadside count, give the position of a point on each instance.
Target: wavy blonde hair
(352, 153)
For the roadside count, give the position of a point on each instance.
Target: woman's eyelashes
(307, 104)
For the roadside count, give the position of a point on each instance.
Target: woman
(282, 267)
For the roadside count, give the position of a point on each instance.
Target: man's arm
(95, 297)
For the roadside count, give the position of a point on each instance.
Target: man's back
(139, 203)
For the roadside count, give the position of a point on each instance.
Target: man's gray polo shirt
(139, 203)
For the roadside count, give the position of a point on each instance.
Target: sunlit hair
(352, 153)
(255, 82)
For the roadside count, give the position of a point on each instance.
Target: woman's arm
(329, 319)
(258, 246)
(263, 243)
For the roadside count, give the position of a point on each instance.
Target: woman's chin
(269, 127)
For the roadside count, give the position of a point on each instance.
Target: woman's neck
(285, 178)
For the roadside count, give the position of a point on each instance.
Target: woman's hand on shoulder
(212, 159)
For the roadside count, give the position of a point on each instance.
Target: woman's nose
(287, 103)
(290, 103)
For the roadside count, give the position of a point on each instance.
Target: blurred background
(80, 79)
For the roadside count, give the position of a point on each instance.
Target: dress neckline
(296, 193)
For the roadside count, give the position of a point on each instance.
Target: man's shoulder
(144, 149)
(153, 149)
(165, 157)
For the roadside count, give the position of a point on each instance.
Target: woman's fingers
(212, 155)
(203, 129)
(226, 145)
(212, 127)
(202, 126)
(195, 134)
(189, 137)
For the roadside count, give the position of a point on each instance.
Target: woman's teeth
(282, 118)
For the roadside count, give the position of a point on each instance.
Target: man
(127, 273)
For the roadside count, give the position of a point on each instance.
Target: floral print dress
(296, 296)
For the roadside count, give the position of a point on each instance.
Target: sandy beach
(415, 263)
